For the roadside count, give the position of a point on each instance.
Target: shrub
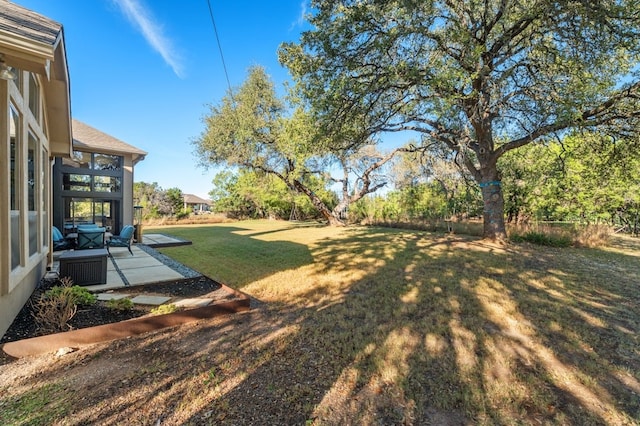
(55, 307)
(561, 236)
(543, 239)
(78, 295)
(123, 304)
(164, 309)
(183, 213)
(52, 313)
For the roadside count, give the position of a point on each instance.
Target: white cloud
(143, 21)
(301, 17)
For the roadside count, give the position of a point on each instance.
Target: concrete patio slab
(161, 240)
(123, 269)
(151, 274)
(136, 262)
(150, 300)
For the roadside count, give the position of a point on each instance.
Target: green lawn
(395, 326)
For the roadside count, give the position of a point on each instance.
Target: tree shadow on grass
(400, 328)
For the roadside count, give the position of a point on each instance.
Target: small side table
(85, 267)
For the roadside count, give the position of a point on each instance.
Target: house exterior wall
(25, 193)
(35, 126)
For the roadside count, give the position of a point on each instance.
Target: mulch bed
(24, 325)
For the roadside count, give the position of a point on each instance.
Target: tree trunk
(493, 212)
(318, 204)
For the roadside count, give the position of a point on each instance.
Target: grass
(372, 325)
(561, 234)
(39, 405)
(414, 324)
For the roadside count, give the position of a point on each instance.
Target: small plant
(123, 304)
(79, 295)
(52, 314)
(212, 378)
(164, 309)
(56, 306)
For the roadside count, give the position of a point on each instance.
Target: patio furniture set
(85, 255)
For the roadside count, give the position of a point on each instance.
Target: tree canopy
(253, 129)
(478, 77)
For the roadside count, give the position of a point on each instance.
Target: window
(14, 143)
(28, 178)
(31, 173)
(34, 97)
(106, 162)
(87, 210)
(32, 192)
(79, 159)
(87, 160)
(106, 184)
(73, 182)
(18, 80)
(92, 172)
(44, 186)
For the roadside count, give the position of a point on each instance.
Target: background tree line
(583, 178)
(157, 202)
(523, 111)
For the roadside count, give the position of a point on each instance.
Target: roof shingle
(29, 24)
(91, 139)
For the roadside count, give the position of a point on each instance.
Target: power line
(224, 65)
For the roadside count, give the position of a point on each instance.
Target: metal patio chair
(123, 240)
(90, 238)
(59, 241)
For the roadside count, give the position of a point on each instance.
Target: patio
(146, 266)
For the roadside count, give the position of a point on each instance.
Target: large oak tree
(480, 77)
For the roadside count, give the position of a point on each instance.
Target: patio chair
(123, 240)
(59, 241)
(90, 239)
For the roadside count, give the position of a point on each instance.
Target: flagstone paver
(150, 300)
(193, 303)
(111, 296)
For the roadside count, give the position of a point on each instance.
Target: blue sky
(145, 71)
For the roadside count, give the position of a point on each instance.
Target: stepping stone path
(111, 296)
(196, 302)
(193, 303)
(150, 300)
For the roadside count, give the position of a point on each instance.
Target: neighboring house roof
(194, 199)
(90, 139)
(32, 42)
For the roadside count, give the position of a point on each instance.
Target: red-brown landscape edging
(103, 333)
